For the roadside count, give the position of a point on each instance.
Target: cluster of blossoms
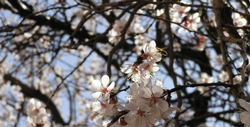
(238, 21)
(142, 72)
(134, 29)
(146, 104)
(103, 104)
(178, 14)
(146, 100)
(37, 115)
(115, 33)
(119, 26)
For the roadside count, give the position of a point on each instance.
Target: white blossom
(192, 21)
(102, 87)
(201, 43)
(151, 52)
(177, 12)
(223, 76)
(37, 113)
(176, 47)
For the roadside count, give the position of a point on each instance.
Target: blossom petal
(105, 80)
(131, 107)
(195, 15)
(144, 107)
(187, 9)
(134, 87)
(155, 68)
(105, 96)
(244, 117)
(157, 91)
(163, 105)
(96, 84)
(158, 83)
(96, 95)
(151, 118)
(146, 92)
(111, 86)
(96, 106)
(130, 118)
(244, 104)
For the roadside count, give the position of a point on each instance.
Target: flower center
(103, 105)
(182, 12)
(135, 69)
(147, 67)
(145, 55)
(105, 90)
(153, 100)
(140, 112)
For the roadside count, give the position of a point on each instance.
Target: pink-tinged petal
(96, 106)
(159, 12)
(236, 16)
(142, 123)
(30, 120)
(151, 118)
(156, 112)
(31, 104)
(105, 80)
(131, 107)
(152, 44)
(105, 96)
(197, 20)
(155, 68)
(174, 14)
(143, 65)
(157, 91)
(187, 9)
(96, 95)
(163, 105)
(146, 74)
(171, 109)
(244, 117)
(244, 104)
(42, 111)
(38, 104)
(146, 92)
(145, 81)
(32, 101)
(145, 46)
(158, 83)
(158, 57)
(111, 86)
(176, 6)
(151, 50)
(195, 15)
(144, 107)
(130, 118)
(96, 84)
(134, 87)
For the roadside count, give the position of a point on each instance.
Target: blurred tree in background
(124, 63)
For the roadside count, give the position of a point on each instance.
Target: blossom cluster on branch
(146, 100)
(124, 63)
